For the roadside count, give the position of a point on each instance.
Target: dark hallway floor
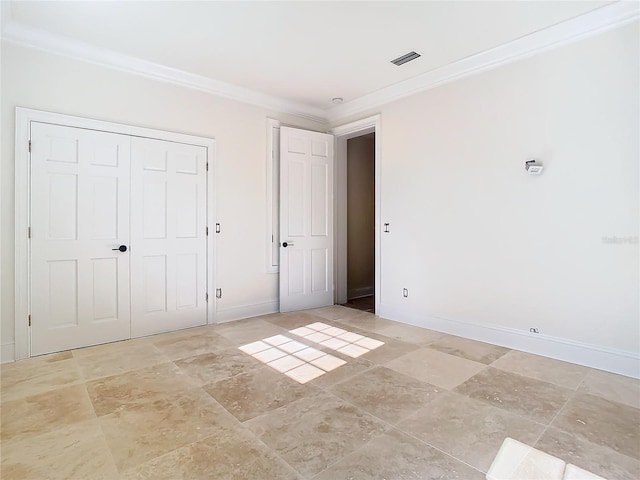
(366, 304)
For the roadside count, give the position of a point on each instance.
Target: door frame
(343, 133)
(24, 117)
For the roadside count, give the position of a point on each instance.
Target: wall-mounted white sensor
(533, 167)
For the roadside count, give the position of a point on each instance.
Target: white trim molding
(592, 23)
(272, 157)
(594, 356)
(26, 36)
(24, 118)
(343, 133)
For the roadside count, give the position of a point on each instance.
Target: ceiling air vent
(407, 57)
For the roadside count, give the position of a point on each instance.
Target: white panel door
(168, 236)
(306, 219)
(79, 215)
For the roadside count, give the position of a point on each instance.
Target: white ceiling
(302, 52)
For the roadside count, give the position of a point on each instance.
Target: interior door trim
(24, 117)
(343, 133)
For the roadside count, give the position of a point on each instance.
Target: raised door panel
(62, 221)
(168, 242)
(79, 213)
(319, 200)
(105, 194)
(187, 281)
(105, 289)
(296, 198)
(62, 294)
(306, 219)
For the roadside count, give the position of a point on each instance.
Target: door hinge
(207, 167)
(206, 297)
(207, 231)
(29, 320)
(218, 293)
(29, 232)
(217, 228)
(29, 146)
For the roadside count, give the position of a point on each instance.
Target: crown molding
(572, 30)
(26, 36)
(592, 23)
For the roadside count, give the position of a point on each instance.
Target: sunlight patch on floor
(303, 363)
(348, 343)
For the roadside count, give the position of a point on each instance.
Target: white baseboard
(7, 350)
(360, 292)
(594, 356)
(7, 353)
(247, 311)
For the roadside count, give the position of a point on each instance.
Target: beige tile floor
(423, 405)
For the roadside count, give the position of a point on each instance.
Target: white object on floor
(576, 473)
(517, 461)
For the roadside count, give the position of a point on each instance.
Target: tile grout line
(548, 426)
(205, 392)
(387, 424)
(509, 411)
(240, 425)
(391, 425)
(325, 389)
(394, 427)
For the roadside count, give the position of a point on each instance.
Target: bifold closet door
(168, 236)
(118, 237)
(79, 219)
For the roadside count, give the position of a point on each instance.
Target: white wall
(475, 239)
(360, 216)
(47, 82)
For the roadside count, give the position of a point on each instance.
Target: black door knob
(122, 248)
(285, 244)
